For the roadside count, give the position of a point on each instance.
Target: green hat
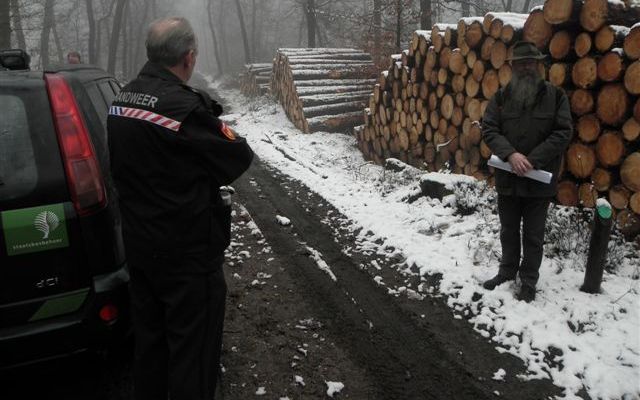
(525, 50)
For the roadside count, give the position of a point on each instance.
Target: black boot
(527, 293)
(495, 281)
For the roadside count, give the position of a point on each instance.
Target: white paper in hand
(535, 174)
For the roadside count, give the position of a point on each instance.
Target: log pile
(255, 79)
(427, 106)
(323, 89)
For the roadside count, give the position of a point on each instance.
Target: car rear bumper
(72, 333)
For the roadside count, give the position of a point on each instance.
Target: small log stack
(323, 89)
(256, 79)
(427, 107)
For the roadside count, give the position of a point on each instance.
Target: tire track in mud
(406, 361)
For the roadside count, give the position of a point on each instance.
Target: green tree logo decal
(46, 222)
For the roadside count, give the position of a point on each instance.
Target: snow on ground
(334, 388)
(316, 256)
(578, 340)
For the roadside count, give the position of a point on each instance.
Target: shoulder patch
(227, 132)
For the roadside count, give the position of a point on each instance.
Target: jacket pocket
(542, 124)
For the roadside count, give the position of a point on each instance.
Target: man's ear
(189, 59)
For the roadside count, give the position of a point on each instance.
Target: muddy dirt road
(288, 317)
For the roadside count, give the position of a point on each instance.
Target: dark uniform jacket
(169, 155)
(541, 133)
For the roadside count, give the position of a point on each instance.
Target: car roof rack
(71, 67)
(14, 59)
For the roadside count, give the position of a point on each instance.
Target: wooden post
(598, 247)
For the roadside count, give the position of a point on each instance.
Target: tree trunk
(44, 35)
(377, 29)
(425, 13)
(17, 25)
(466, 9)
(398, 24)
(215, 38)
(92, 32)
(5, 25)
(56, 40)
(223, 39)
(115, 36)
(310, 13)
(254, 45)
(243, 30)
(125, 42)
(526, 6)
(98, 42)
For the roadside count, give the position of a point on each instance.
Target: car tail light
(83, 172)
(108, 313)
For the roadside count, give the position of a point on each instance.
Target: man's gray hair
(170, 39)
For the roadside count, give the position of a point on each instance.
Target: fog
(49, 29)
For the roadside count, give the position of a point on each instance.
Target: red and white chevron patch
(145, 115)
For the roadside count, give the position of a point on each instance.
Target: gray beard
(524, 88)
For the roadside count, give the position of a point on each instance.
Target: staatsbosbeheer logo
(46, 222)
(30, 230)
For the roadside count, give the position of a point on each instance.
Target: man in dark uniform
(169, 156)
(528, 124)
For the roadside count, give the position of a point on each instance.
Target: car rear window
(31, 168)
(18, 170)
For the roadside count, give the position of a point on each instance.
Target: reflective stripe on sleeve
(145, 115)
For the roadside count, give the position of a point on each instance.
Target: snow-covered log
(254, 79)
(320, 83)
(597, 13)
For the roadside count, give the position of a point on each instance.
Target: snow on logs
(255, 79)
(323, 89)
(427, 106)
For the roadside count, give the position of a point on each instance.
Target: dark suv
(63, 275)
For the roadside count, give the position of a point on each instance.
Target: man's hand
(519, 164)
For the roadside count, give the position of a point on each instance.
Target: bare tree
(5, 25)
(243, 30)
(47, 23)
(125, 41)
(466, 8)
(377, 26)
(92, 32)
(254, 46)
(56, 40)
(224, 47)
(399, 26)
(216, 49)
(16, 17)
(115, 36)
(103, 25)
(425, 14)
(508, 5)
(312, 24)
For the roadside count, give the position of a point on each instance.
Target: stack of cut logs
(427, 107)
(255, 79)
(323, 89)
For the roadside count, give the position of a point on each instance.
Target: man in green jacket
(528, 124)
